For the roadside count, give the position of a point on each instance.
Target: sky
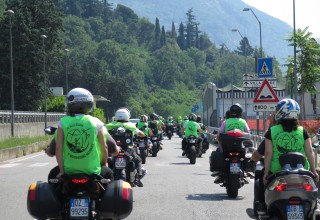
(307, 12)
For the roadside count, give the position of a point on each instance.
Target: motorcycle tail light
(126, 190)
(294, 202)
(234, 154)
(280, 187)
(32, 191)
(79, 181)
(307, 187)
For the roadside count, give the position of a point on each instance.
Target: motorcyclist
(169, 124)
(106, 171)
(122, 117)
(81, 145)
(161, 124)
(234, 122)
(142, 125)
(203, 133)
(278, 139)
(191, 128)
(185, 120)
(155, 127)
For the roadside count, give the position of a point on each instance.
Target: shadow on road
(182, 163)
(211, 197)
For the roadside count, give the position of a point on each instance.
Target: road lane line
(38, 164)
(9, 165)
(26, 158)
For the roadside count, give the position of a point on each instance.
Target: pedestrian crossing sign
(264, 67)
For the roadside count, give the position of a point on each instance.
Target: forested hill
(218, 18)
(112, 52)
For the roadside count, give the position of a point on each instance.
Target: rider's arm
(113, 149)
(59, 146)
(258, 154)
(103, 147)
(267, 155)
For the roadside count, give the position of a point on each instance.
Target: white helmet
(79, 101)
(122, 114)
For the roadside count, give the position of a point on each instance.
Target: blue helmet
(287, 109)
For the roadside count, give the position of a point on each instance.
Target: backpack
(154, 127)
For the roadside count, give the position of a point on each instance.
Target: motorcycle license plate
(295, 212)
(192, 141)
(120, 162)
(154, 138)
(235, 168)
(141, 144)
(79, 208)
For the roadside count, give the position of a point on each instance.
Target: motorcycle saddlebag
(230, 143)
(117, 200)
(217, 162)
(42, 202)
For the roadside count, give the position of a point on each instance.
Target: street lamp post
(249, 9)
(10, 13)
(294, 52)
(45, 79)
(245, 70)
(66, 54)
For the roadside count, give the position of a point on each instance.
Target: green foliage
(56, 104)
(112, 53)
(99, 113)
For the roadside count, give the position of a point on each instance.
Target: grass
(21, 141)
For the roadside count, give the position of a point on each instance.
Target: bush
(99, 113)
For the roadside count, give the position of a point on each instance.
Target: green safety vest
(284, 142)
(191, 129)
(143, 124)
(235, 123)
(81, 149)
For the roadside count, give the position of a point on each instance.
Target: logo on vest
(78, 142)
(287, 143)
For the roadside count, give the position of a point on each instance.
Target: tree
(157, 35)
(192, 29)
(173, 31)
(244, 48)
(181, 37)
(307, 56)
(30, 21)
(163, 37)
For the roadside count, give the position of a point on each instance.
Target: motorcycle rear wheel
(232, 186)
(143, 155)
(192, 154)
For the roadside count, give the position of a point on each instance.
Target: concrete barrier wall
(24, 129)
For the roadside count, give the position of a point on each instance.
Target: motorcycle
(233, 163)
(141, 148)
(179, 130)
(292, 192)
(123, 165)
(169, 130)
(155, 139)
(80, 196)
(193, 150)
(205, 143)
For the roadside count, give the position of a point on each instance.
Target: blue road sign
(264, 67)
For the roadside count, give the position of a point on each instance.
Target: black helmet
(228, 114)
(198, 118)
(235, 111)
(192, 117)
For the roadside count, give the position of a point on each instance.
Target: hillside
(217, 18)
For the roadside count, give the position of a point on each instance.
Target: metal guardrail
(29, 117)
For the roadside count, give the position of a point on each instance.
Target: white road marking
(26, 158)
(38, 165)
(9, 165)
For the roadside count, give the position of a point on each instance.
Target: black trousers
(106, 173)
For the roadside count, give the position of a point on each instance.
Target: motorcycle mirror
(247, 143)
(315, 144)
(50, 130)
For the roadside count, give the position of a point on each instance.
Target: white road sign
(258, 83)
(264, 107)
